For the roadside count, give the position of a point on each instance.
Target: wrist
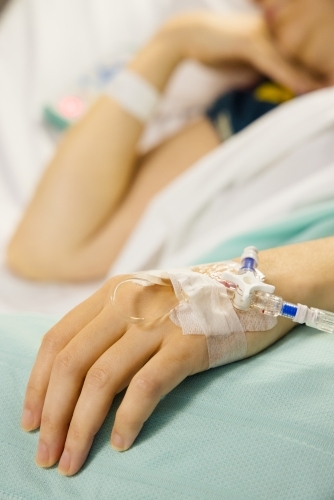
(157, 61)
(302, 273)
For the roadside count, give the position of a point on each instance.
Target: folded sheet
(280, 163)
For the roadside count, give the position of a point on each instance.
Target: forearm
(301, 273)
(88, 175)
(93, 168)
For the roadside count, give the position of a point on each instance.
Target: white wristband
(134, 94)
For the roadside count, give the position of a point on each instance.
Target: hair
(2, 4)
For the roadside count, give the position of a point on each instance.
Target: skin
(96, 187)
(93, 353)
(303, 31)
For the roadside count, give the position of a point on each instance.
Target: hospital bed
(257, 429)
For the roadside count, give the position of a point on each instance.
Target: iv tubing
(272, 305)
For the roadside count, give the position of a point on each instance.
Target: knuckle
(48, 424)
(34, 400)
(127, 420)
(50, 342)
(65, 362)
(75, 434)
(79, 434)
(33, 390)
(112, 282)
(98, 376)
(148, 387)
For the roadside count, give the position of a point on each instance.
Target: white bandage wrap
(205, 309)
(251, 320)
(134, 94)
(209, 311)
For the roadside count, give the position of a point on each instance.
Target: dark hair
(2, 4)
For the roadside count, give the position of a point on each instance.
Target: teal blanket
(309, 223)
(258, 429)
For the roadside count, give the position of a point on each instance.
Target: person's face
(304, 31)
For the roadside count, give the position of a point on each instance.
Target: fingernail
(117, 442)
(42, 456)
(27, 421)
(64, 463)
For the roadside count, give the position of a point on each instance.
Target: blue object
(235, 110)
(288, 310)
(248, 264)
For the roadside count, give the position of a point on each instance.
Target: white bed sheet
(281, 163)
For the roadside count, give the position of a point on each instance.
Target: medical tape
(205, 309)
(208, 311)
(251, 320)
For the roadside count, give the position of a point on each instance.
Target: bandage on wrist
(204, 308)
(134, 94)
(208, 311)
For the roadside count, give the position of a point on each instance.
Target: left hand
(91, 355)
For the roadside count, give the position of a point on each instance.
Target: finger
(67, 376)
(108, 376)
(53, 342)
(183, 356)
(269, 61)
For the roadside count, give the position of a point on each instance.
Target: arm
(85, 181)
(150, 360)
(65, 232)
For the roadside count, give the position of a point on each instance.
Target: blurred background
(2, 3)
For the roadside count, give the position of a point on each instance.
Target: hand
(304, 30)
(92, 354)
(236, 40)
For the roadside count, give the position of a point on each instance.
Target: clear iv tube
(272, 305)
